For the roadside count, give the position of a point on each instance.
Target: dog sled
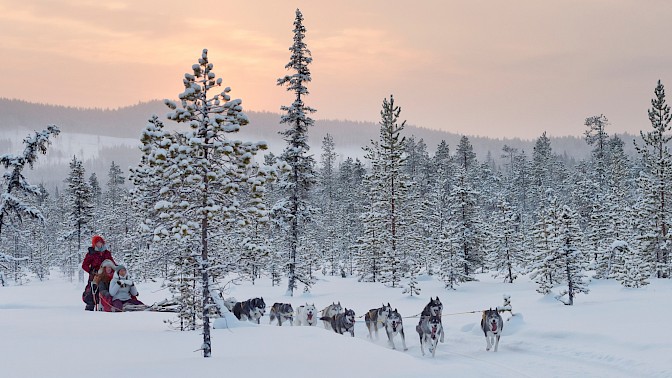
(166, 305)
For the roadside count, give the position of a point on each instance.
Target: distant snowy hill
(99, 136)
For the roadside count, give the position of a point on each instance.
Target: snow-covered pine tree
(350, 191)
(327, 197)
(79, 199)
(148, 179)
(411, 286)
(17, 192)
(506, 253)
(207, 171)
(628, 264)
(14, 181)
(274, 234)
(417, 242)
(619, 197)
(96, 193)
(97, 202)
(569, 253)
(541, 170)
(371, 243)
(521, 190)
(41, 234)
(418, 166)
(451, 268)
(439, 198)
(544, 266)
(390, 198)
(631, 268)
(431, 212)
(467, 229)
(657, 161)
(117, 214)
(294, 209)
(643, 222)
(516, 187)
(597, 137)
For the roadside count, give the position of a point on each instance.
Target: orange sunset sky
(495, 68)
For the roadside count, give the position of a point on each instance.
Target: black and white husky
(342, 322)
(251, 309)
(394, 325)
(306, 315)
(430, 330)
(331, 311)
(281, 311)
(433, 308)
(376, 317)
(492, 325)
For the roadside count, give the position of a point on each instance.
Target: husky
(330, 311)
(376, 317)
(342, 322)
(492, 326)
(430, 330)
(281, 311)
(433, 308)
(393, 325)
(306, 315)
(251, 309)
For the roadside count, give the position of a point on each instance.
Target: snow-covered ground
(612, 332)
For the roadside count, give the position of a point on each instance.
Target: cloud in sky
(494, 68)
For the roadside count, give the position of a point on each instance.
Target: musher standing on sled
(94, 257)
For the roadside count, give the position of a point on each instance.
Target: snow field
(612, 332)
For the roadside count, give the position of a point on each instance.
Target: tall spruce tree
(389, 197)
(658, 162)
(294, 209)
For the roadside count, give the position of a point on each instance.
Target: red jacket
(93, 259)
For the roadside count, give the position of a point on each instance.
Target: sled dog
(283, 312)
(251, 309)
(429, 330)
(433, 308)
(329, 311)
(492, 325)
(376, 317)
(306, 315)
(342, 322)
(394, 325)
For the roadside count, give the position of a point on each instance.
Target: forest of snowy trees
(202, 207)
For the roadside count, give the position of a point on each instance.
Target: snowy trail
(45, 321)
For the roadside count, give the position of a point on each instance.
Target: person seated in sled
(101, 282)
(123, 290)
(95, 256)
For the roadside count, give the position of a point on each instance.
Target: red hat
(97, 239)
